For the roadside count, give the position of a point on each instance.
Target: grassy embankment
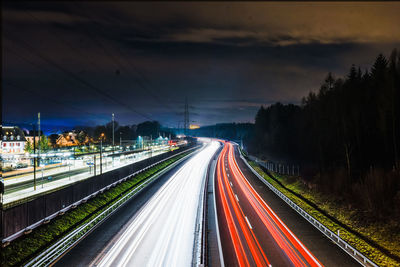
(384, 235)
(25, 247)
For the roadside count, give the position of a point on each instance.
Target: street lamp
(101, 151)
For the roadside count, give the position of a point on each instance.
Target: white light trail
(162, 232)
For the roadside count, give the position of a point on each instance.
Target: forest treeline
(346, 136)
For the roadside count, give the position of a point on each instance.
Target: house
(67, 139)
(12, 140)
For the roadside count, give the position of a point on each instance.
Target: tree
(350, 125)
(28, 146)
(81, 137)
(53, 139)
(149, 128)
(44, 143)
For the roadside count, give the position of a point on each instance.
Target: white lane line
(248, 222)
(231, 183)
(237, 198)
(227, 174)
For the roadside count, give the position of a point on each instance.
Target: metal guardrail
(67, 242)
(335, 238)
(198, 245)
(221, 255)
(202, 256)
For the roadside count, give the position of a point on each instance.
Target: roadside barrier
(49, 255)
(335, 238)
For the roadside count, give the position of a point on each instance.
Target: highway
(252, 234)
(162, 232)
(158, 227)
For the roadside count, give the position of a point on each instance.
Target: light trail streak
(297, 253)
(162, 233)
(243, 229)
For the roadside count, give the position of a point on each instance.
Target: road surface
(253, 234)
(163, 232)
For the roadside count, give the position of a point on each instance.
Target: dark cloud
(227, 58)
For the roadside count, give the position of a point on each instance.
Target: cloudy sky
(77, 63)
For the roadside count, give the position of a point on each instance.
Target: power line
(116, 61)
(74, 76)
(186, 116)
(53, 100)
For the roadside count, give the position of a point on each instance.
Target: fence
(280, 168)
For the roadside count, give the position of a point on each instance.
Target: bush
(376, 193)
(379, 242)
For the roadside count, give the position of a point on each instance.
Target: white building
(12, 141)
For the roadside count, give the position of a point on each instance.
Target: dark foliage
(126, 133)
(347, 133)
(228, 131)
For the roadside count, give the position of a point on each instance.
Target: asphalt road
(86, 251)
(155, 228)
(279, 247)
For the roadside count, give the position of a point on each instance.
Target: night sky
(77, 63)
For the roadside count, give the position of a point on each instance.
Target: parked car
(21, 165)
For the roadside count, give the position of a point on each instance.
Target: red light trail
(245, 239)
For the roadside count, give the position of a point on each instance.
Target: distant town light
(194, 126)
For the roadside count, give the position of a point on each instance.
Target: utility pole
(39, 138)
(113, 144)
(101, 156)
(34, 157)
(186, 117)
(113, 131)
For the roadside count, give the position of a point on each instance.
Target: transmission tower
(186, 117)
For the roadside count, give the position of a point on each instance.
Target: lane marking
(231, 183)
(237, 198)
(248, 222)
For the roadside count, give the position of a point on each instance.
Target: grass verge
(308, 200)
(26, 247)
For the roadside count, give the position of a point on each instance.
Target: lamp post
(101, 152)
(113, 144)
(34, 157)
(113, 131)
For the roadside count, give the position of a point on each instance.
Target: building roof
(12, 133)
